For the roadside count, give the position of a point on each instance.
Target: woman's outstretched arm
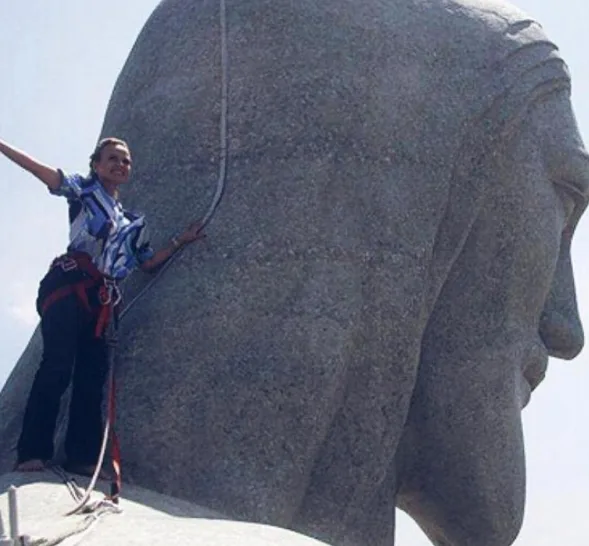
(46, 174)
(192, 233)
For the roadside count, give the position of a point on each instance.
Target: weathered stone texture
(146, 518)
(383, 279)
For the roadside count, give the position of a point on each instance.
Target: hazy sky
(59, 60)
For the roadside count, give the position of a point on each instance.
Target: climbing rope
(96, 512)
(222, 178)
(73, 488)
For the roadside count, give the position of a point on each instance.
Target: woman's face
(114, 165)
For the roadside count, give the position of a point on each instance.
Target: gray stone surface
(383, 281)
(145, 518)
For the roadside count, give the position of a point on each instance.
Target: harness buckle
(118, 295)
(109, 293)
(66, 263)
(104, 296)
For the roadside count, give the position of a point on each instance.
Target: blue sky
(58, 65)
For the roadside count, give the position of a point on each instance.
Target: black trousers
(70, 352)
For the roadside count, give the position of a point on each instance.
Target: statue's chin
(533, 374)
(525, 392)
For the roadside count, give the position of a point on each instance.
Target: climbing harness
(90, 285)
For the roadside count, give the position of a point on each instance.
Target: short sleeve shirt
(116, 239)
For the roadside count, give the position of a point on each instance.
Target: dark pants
(69, 348)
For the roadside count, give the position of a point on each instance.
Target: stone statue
(386, 273)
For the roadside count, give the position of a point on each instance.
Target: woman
(76, 298)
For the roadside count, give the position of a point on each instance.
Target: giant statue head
(385, 276)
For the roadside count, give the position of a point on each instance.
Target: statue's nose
(560, 326)
(561, 334)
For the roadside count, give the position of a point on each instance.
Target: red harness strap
(115, 448)
(107, 305)
(79, 288)
(106, 288)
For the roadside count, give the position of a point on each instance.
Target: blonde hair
(95, 156)
(100, 146)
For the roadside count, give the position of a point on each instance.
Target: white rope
(98, 510)
(222, 178)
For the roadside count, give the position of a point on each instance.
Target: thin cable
(84, 500)
(74, 489)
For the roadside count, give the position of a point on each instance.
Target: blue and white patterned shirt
(116, 239)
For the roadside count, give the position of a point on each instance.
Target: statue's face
(507, 305)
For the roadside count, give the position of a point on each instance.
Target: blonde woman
(76, 298)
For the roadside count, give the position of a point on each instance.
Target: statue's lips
(535, 369)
